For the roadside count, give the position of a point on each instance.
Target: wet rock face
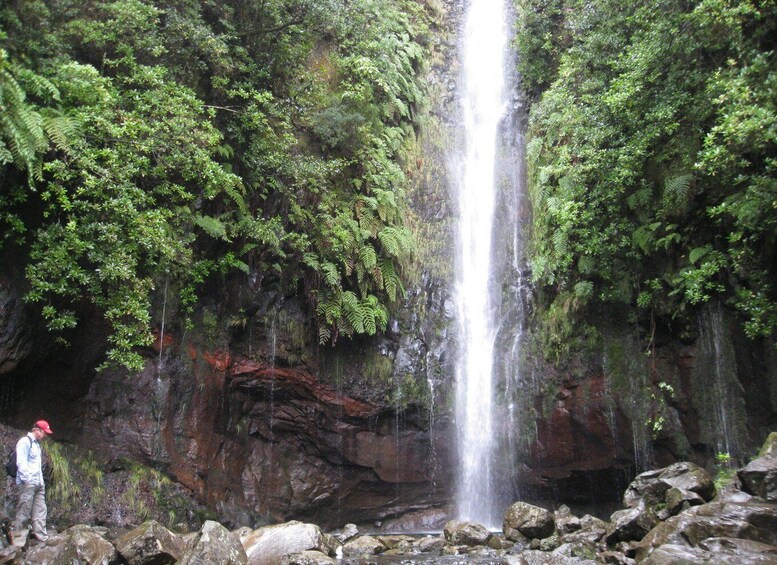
(258, 442)
(16, 339)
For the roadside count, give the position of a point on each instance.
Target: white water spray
(483, 106)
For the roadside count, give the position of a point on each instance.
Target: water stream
(484, 257)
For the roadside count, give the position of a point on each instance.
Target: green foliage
(651, 159)
(184, 142)
(725, 471)
(62, 489)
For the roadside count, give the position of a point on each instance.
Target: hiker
(29, 478)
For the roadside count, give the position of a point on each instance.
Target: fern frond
(368, 257)
(392, 284)
(37, 85)
(388, 240)
(311, 260)
(352, 311)
(677, 189)
(62, 131)
(331, 275)
(324, 334)
(212, 226)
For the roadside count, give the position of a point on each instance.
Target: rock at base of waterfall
(631, 524)
(430, 544)
(652, 486)
(215, 544)
(466, 533)
(307, 558)
(268, 545)
(75, 545)
(150, 542)
(348, 532)
(364, 545)
(524, 520)
(697, 527)
(759, 477)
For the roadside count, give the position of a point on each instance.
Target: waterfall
(483, 99)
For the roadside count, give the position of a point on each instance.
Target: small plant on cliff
(724, 471)
(657, 420)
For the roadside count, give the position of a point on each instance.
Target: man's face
(38, 433)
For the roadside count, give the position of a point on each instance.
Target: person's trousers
(32, 507)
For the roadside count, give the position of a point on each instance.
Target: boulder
(79, 544)
(307, 558)
(349, 531)
(363, 545)
(268, 545)
(566, 522)
(614, 558)
(499, 542)
(672, 554)
(759, 477)
(215, 544)
(591, 530)
(652, 486)
(466, 533)
(430, 544)
(398, 542)
(753, 521)
(524, 520)
(631, 523)
(678, 499)
(714, 550)
(150, 542)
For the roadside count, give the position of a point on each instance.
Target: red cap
(43, 425)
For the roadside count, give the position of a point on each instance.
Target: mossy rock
(769, 446)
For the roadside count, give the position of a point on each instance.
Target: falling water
(719, 398)
(483, 107)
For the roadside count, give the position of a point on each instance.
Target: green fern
(368, 257)
(392, 283)
(61, 130)
(677, 190)
(212, 226)
(331, 275)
